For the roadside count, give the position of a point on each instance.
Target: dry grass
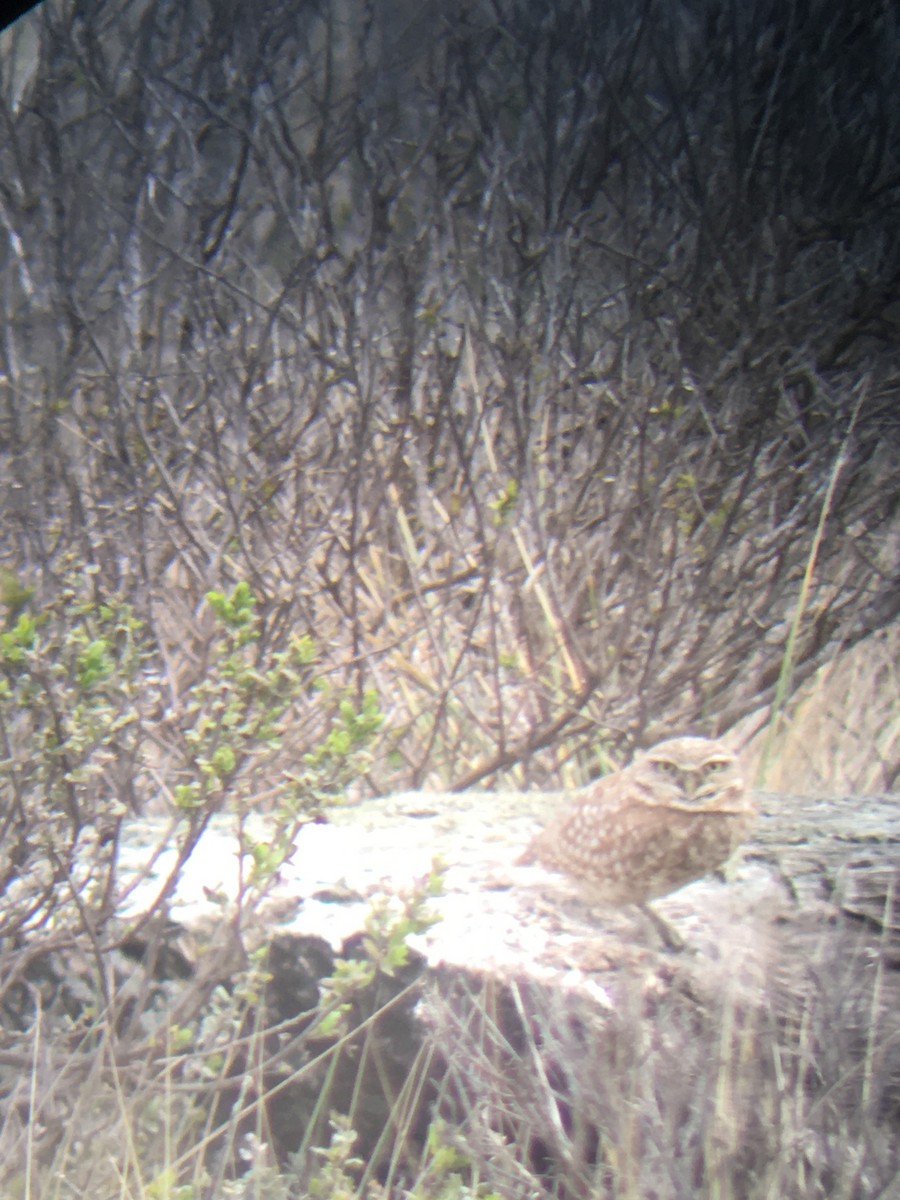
(841, 732)
(779, 1080)
(727, 1093)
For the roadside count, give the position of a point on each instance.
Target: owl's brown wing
(596, 828)
(588, 819)
(625, 850)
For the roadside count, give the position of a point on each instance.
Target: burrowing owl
(677, 812)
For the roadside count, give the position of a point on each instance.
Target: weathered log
(547, 1033)
(809, 860)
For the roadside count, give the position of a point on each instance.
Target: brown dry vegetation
(511, 365)
(536, 370)
(841, 733)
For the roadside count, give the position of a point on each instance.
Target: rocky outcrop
(809, 862)
(560, 1043)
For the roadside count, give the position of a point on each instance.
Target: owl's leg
(670, 936)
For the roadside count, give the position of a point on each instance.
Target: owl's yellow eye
(716, 766)
(668, 768)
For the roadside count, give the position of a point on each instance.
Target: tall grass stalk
(782, 686)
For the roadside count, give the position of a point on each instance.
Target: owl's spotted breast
(677, 812)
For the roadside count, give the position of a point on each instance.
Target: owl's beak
(694, 789)
(699, 788)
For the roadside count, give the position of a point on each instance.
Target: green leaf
(186, 795)
(223, 761)
(94, 663)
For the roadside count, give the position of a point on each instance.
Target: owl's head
(693, 774)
